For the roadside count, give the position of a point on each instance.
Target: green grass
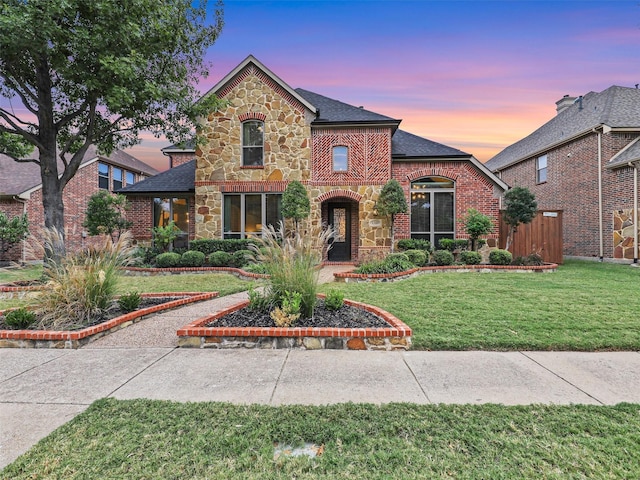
(31, 272)
(583, 306)
(162, 440)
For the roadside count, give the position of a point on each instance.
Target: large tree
(97, 72)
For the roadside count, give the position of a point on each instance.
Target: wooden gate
(543, 236)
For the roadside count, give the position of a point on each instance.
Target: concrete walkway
(43, 389)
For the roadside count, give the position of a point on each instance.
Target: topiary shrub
(442, 257)
(470, 258)
(417, 257)
(192, 258)
(19, 319)
(220, 259)
(210, 245)
(500, 257)
(168, 260)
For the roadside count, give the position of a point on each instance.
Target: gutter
(600, 207)
(635, 211)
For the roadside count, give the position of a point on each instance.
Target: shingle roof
(19, 177)
(626, 155)
(405, 144)
(616, 107)
(332, 111)
(180, 179)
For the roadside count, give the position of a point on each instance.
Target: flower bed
(390, 277)
(146, 271)
(396, 337)
(77, 338)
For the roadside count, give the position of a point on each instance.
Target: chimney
(564, 103)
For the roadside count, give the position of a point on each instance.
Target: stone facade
(624, 234)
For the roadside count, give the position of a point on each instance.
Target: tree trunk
(509, 238)
(392, 234)
(52, 204)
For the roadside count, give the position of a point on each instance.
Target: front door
(340, 220)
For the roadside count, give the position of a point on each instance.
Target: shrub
(81, 287)
(220, 259)
(20, 318)
(287, 314)
(257, 268)
(242, 258)
(417, 257)
(470, 258)
(129, 301)
(145, 255)
(163, 236)
(476, 224)
(415, 244)
(334, 300)
(168, 260)
(191, 258)
(442, 257)
(395, 262)
(531, 260)
(500, 257)
(257, 300)
(230, 245)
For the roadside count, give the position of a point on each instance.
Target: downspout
(635, 211)
(600, 208)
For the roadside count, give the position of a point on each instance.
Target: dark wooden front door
(340, 220)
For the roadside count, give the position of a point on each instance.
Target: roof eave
(393, 124)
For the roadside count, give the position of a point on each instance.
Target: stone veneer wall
(287, 151)
(623, 234)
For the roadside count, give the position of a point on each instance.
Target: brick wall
(180, 158)
(572, 186)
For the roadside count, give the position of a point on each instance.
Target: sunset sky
(476, 75)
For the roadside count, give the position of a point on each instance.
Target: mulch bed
(346, 317)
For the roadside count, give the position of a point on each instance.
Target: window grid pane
(103, 176)
(117, 178)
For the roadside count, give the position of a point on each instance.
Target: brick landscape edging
(396, 337)
(77, 338)
(390, 277)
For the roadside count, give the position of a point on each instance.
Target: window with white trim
(340, 158)
(253, 144)
(541, 169)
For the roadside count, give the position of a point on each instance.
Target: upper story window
(340, 159)
(130, 178)
(117, 178)
(252, 144)
(103, 176)
(541, 169)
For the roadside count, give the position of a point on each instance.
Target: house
(269, 134)
(21, 192)
(584, 161)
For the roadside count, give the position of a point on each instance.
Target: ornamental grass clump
(291, 263)
(81, 287)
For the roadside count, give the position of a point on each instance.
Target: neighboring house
(21, 192)
(269, 134)
(584, 162)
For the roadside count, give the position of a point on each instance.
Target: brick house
(269, 134)
(584, 161)
(21, 192)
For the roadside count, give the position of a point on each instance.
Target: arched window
(340, 159)
(253, 144)
(433, 209)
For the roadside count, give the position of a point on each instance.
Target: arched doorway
(342, 214)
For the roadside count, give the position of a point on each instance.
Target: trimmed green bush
(168, 260)
(230, 245)
(20, 318)
(451, 244)
(220, 259)
(500, 257)
(242, 258)
(417, 257)
(395, 262)
(192, 258)
(415, 244)
(334, 299)
(129, 301)
(442, 257)
(470, 258)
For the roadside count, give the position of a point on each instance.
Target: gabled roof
(408, 145)
(629, 154)
(18, 178)
(614, 108)
(180, 179)
(251, 60)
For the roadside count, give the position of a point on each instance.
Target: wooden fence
(543, 236)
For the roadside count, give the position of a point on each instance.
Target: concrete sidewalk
(43, 389)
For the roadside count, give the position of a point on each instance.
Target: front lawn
(583, 306)
(165, 440)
